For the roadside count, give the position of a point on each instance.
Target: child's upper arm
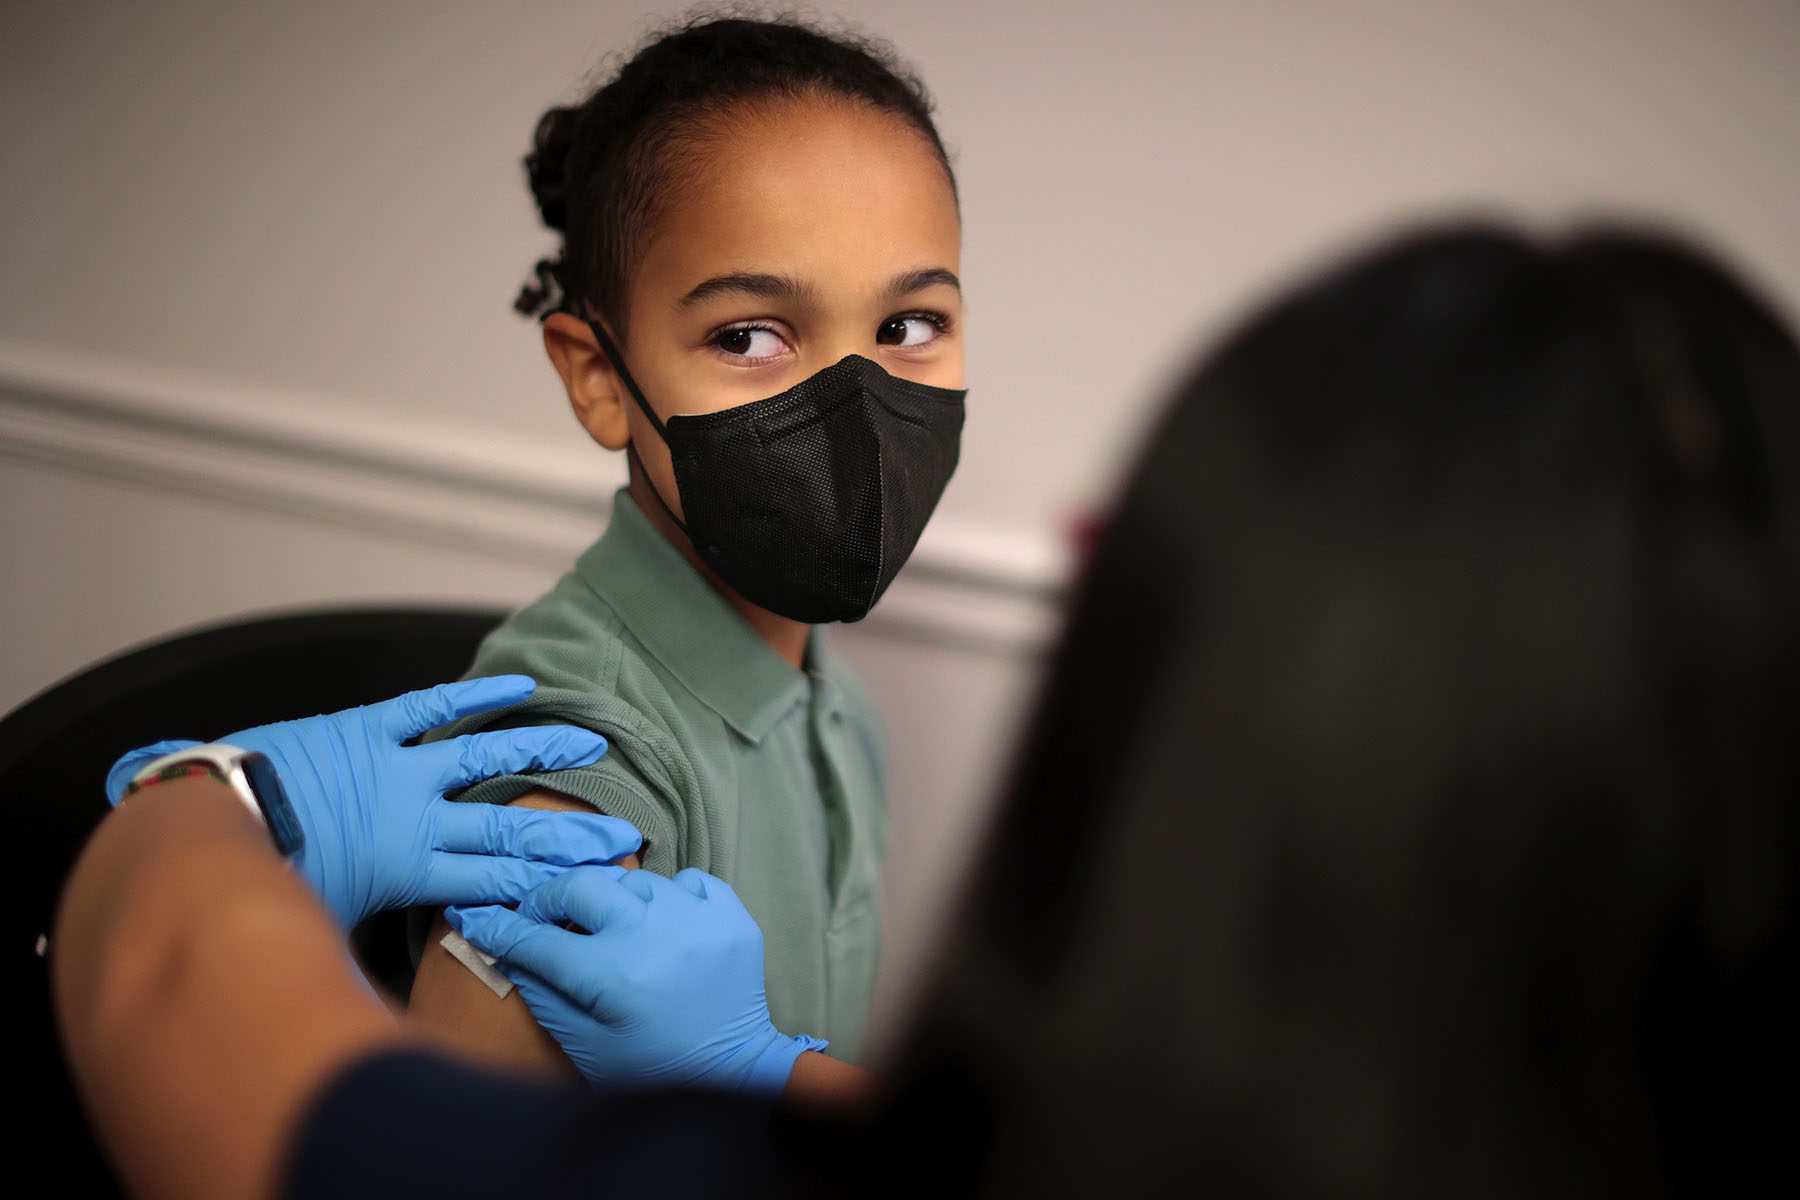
(451, 1005)
(643, 777)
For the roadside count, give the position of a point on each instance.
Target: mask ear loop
(618, 362)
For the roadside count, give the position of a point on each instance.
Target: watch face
(272, 798)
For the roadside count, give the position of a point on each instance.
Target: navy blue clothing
(414, 1124)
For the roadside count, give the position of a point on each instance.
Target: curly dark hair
(598, 168)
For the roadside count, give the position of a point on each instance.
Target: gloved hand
(379, 833)
(666, 987)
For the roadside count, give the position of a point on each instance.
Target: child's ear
(596, 393)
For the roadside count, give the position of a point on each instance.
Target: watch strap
(249, 775)
(190, 768)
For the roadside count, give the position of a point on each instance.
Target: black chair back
(55, 749)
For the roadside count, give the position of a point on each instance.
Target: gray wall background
(227, 226)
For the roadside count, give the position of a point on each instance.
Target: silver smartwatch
(248, 773)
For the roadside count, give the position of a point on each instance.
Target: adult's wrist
(182, 815)
(187, 768)
(772, 1063)
(820, 1081)
(250, 774)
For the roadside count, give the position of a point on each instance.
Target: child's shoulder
(578, 637)
(589, 668)
(568, 636)
(589, 675)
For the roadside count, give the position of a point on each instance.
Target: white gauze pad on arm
(480, 964)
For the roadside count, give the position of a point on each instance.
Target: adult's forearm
(202, 992)
(124, 903)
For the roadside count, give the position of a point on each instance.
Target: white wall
(327, 196)
(256, 261)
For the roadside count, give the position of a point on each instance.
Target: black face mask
(808, 503)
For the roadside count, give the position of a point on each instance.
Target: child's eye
(910, 329)
(752, 342)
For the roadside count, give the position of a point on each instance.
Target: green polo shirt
(724, 755)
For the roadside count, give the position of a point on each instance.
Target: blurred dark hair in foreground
(1411, 809)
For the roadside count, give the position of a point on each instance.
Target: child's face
(810, 230)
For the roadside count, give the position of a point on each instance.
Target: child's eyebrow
(749, 283)
(922, 278)
(786, 287)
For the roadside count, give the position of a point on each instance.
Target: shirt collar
(691, 631)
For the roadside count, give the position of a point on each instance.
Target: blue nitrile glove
(379, 833)
(666, 987)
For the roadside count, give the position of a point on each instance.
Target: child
(757, 301)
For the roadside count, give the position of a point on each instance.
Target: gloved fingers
(595, 898)
(726, 910)
(648, 886)
(710, 888)
(415, 712)
(482, 879)
(553, 1009)
(569, 962)
(694, 880)
(118, 776)
(565, 838)
(460, 761)
(720, 893)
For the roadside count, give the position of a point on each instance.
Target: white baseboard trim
(990, 588)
